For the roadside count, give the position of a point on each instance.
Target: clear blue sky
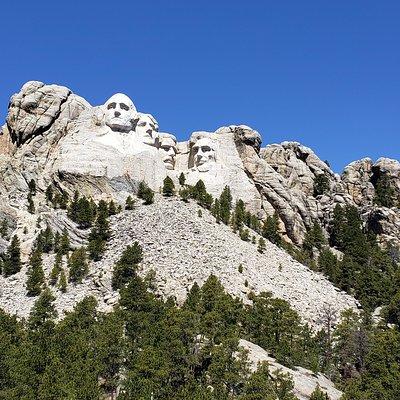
(325, 73)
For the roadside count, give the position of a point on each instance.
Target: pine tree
(47, 240)
(64, 242)
(49, 194)
(244, 234)
(270, 229)
(182, 179)
(64, 199)
(77, 264)
(112, 210)
(168, 187)
(63, 281)
(318, 394)
(238, 216)
(35, 281)
(31, 204)
(145, 193)
(127, 265)
(225, 201)
(261, 245)
(129, 203)
(55, 271)
(42, 315)
(216, 211)
(185, 194)
(4, 228)
(100, 233)
(321, 185)
(384, 192)
(32, 187)
(12, 262)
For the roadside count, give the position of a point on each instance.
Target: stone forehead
(147, 117)
(205, 141)
(121, 98)
(167, 136)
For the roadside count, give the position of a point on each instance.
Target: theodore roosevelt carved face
(168, 149)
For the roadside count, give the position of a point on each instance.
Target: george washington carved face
(120, 113)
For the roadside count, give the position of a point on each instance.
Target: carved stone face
(168, 150)
(120, 113)
(147, 129)
(204, 154)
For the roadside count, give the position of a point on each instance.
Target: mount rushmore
(52, 135)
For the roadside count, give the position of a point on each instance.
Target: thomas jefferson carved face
(168, 150)
(120, 113)
(204, 154)
(147, 129)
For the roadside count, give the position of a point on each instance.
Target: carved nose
(117, 113)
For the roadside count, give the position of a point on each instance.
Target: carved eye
(142, 124)
(111, 105)
(206, 148)
(152, 126)
(124, 106)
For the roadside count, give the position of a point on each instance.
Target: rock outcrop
(57, 138)
(305, 381)
(183, 248)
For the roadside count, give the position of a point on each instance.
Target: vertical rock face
(54, 136)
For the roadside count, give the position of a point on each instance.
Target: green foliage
(182, 179)
(367, 271)
(321, 185)
(35, 275)
(12, 258)
(4, 228)
(238, 216)
(185, 194)
(100, 233)
(244, 234)
(64, 243)
(56, 270)
(77, 265)
(32, 187)
(318, 394)
(225, 203)
(384, 192)
(62, 284)
(168, 187)
(129, 203)
(127, 265)
(270, 229)
(314, 238)
(112, 209)
(49, 194)
(145, 193)
(82, 211)
(261, 245)
(31, 204)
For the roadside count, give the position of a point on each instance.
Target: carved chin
(169, 164)
(119, 126)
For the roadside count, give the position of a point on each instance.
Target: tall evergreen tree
(182, 179)
(12, 261)
(127, 265)
(270, 229)
(35, 281)
(129, 203)
(77, 264)
(168, 187)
